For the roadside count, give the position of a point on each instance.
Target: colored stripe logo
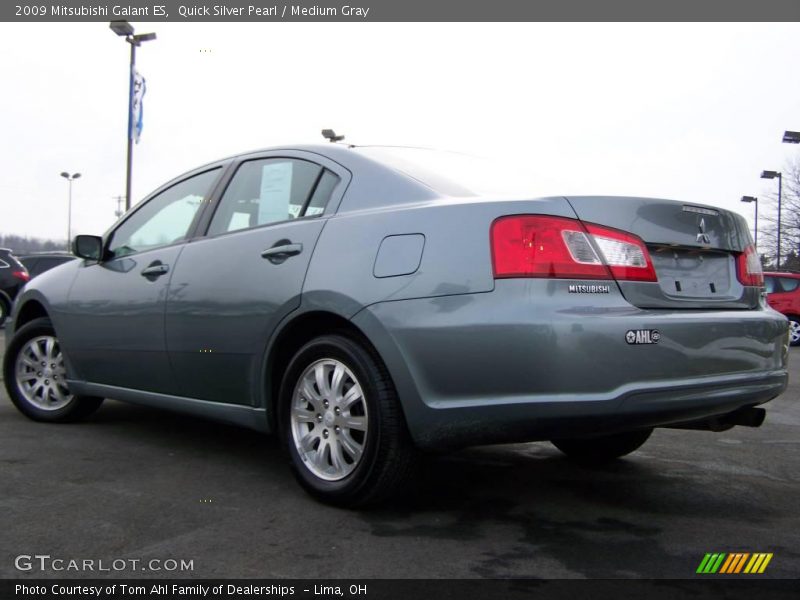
(734, 563)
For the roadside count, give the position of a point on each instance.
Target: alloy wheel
(41, 375)
(794, 331)
(329, 419)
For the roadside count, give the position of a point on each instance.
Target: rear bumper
(529, 361)
(531, 418)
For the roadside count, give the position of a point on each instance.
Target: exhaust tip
(747, 417)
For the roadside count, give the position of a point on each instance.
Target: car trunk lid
(694, 249)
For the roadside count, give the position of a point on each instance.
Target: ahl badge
(642, 336)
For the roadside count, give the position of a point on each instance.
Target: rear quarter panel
(456, 258)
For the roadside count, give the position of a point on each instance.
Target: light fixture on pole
(779, 176)
(791, 137)
(125, 29)
(70, 179)
(755, 228)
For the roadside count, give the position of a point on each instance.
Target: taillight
(544, 246)
(22, 275)
(625, 254)
(748, 268)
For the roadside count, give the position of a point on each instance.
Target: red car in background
(783, 294)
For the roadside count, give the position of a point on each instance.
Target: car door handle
(155, 270)
(282, 252)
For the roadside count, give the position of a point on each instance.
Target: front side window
(267, 191)
(165, 219)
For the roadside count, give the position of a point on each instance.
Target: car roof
(782, 274)
(361, 191)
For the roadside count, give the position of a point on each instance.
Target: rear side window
(11, 261)
(322, 193)
(266, 191)
(769, 284)
(789, 284)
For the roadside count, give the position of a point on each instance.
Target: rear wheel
(601, 449)
(35, 376)
(4, 310)
(341, 423)
(794, 331)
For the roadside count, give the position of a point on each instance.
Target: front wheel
(340, 421)
(602, 449)
(794, 331)
(35, 377)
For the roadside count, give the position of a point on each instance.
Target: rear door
(694, 250)
(232, 286)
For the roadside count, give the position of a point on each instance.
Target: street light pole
(70, 179)
(789, 137)
(755, 228)
(125, 29)
(779, 176)
(780, 188)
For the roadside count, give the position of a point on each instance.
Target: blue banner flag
(139, 88)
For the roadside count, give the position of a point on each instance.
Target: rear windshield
(454, 173)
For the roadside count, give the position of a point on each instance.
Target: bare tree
(790, 221)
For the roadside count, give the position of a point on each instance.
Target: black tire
(602, 449)
(794, 326)
(389, 457)
(77, 408)
(4, 310)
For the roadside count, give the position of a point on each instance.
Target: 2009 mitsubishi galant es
(365, 303)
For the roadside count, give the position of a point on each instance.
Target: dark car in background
(783, 294)
(13, 275)
(366, 304)
(39, 262)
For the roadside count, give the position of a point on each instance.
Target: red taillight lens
(544, 246)
(748, 268)
(22, 275)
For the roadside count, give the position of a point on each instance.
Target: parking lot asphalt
(138, 483)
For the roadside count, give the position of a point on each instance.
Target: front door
(116, 306)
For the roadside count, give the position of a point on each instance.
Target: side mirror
(88, 246)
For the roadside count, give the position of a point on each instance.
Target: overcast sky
(692, 112)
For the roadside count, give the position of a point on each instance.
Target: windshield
(454, 173)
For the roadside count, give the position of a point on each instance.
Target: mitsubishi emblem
(702, 237)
